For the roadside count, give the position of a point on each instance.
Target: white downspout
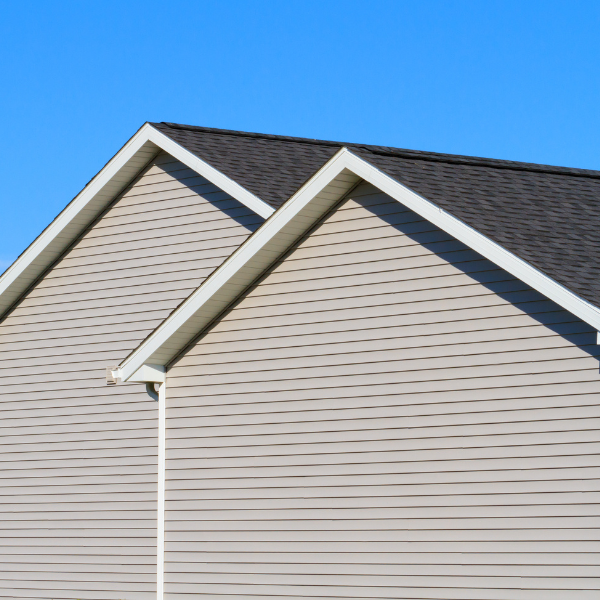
(160, 518)
(153, 375)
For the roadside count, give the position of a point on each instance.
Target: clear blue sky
(507, 79)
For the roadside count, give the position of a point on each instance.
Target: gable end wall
(385, 415)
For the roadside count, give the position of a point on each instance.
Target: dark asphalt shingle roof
(548, 216)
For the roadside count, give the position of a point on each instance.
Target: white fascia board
(116, 175)
(245, 265)
(277, 234)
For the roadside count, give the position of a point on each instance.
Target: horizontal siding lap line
(128, 273)
(424, 464)
(539, 356)
(408, 592)
(412, 422)
(475, 306)
(173, 233)
(139, 406)
(469, 260)
(92, 322)
(451, 360)
(138, 261)
(544, 449)
(184, 215)
(415, 298)
(370, 328)
(179, 287)
(160, 181)
(551, 367)
(68, 316)
(534, 390)
(574, 523)
(204, 198)
(478, 439)
(148, 306)
(452, 253)
(72, 429)
(99, 349)
(448, 338)
(126, 435)
(153, 251)
(424, 407)
(408, 470)
(431, 237)
(540, 467)
(145, 272)
(193, 191)
(413, 433)
(129, 295)
(585, 451)
(467, 289)
(436, 278)
(168, 237)
(192, 218)
(197, 194)
(449, 345)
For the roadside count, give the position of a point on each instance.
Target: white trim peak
(116, 175)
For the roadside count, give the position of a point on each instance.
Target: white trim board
(289, 223)
(116, 175)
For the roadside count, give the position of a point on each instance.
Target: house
(245, 366)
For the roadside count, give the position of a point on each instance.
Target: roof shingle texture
(548, 216)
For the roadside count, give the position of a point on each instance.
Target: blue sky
(516, 80)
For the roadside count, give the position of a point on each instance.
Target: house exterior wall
(77, 458)
(385, 415)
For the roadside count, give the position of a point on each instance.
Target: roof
(548, 216)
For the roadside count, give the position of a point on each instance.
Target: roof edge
(495, 163)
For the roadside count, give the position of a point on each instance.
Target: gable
(316, 197)
(94, 199)
(378, 271)
(80, 457)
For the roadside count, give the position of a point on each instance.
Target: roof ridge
(403, 153)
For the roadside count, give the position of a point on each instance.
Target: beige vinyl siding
(385, 415)
(77, 458)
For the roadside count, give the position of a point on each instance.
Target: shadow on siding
(483, 271)
(231, 207)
